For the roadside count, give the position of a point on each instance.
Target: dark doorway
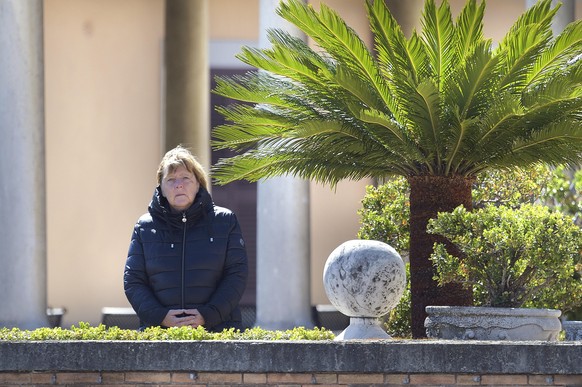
(239, 196)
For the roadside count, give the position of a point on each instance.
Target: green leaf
(439, 37)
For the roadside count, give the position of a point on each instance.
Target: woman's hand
(183, 317)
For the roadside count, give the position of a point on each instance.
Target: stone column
(187, 77)
(283, 245)
(22, 166)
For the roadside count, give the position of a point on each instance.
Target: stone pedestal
(362, 328)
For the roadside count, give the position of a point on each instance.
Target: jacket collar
(202, 207)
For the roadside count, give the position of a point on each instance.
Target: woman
(187, 262)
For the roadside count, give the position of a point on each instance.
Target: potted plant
(437, 108)
(385, 214)
(516, 261)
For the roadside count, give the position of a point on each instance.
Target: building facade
(105, 132)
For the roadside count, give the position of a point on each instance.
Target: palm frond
(394, 57)
(565, 86)
(508, 129)
(469, 27)
(339, 41)
(560, 142)
(248, 128)
(494, 128)
(324, 128)
(392, 132)
(418, 57)
(289, 57)
(551, 111)
(397, 60)
(540, 14)
(250, 88)
(461, 145)
(559, 55)
(327, 167)
(471, 87)
(425, 110)
(524, 43)
(439, 38)
(247, 167)
(354, 85)
(442, 102)
(392, 137)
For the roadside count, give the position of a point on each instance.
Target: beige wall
(103, 66)
(234, 19)
(103, 61)
(103, 98)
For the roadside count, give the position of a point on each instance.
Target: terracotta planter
(487, 323)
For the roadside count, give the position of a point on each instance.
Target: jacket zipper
(183, 288)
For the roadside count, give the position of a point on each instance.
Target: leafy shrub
(87, 332)
(527, 256)
(564, 193)
(512, 188)
(385, 209)
(399, 321)
(385, 212)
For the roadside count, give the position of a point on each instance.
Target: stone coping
(373, 356)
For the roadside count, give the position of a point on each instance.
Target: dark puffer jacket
(191, 260)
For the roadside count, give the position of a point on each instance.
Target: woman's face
(180, 188)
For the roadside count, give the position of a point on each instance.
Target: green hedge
(86, 332)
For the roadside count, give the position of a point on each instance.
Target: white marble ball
(364, 278)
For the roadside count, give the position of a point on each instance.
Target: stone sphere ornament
(364, 280)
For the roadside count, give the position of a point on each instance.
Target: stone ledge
(380, 356)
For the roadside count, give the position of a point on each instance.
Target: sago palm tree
(438, 108)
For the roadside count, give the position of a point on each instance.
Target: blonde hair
(180, 156)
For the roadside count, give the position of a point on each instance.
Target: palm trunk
(430, 195)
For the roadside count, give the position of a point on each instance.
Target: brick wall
(278, 379)
(290, 363)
